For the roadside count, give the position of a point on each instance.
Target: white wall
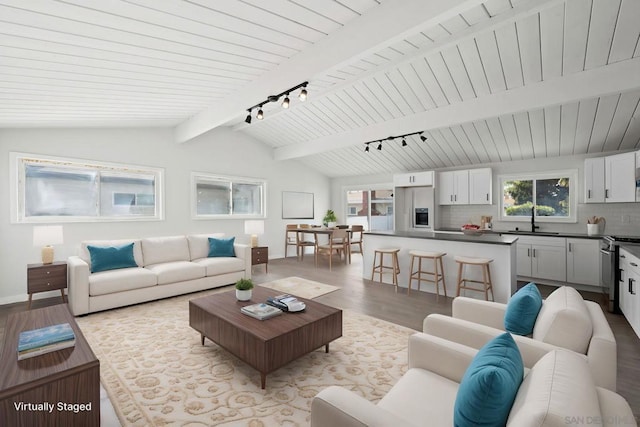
(221, 151)
(455, 216)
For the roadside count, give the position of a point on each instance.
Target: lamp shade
(47, 235)
(254, 226)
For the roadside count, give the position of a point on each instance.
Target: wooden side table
(260, 255)
(46, 277)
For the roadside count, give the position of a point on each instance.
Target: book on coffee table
(261, 311)
(44, 340)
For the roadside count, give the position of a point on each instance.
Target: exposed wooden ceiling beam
(391, 21)
(615, 78)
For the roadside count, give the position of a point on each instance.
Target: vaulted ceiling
(487, 81)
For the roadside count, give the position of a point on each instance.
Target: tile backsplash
(621, 218)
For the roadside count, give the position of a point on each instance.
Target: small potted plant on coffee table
(330, 219)
(243, 289)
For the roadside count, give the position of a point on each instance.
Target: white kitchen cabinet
(453, 187)
(480, 185)
(415, 179)
(610, 179)
(542, 258)
(583, 261)
(594, 180)
(620, 178)
(629, 296)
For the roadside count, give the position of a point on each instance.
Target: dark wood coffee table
(269, 344)
(68, 379)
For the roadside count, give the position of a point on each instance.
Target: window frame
(232, 179)
(572, 174)
(17, 166)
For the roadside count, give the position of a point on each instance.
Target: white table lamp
(46, 236)
(254, 227)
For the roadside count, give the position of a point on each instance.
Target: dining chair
(290, 238)
(302, 242)
(338, 241)
(356, 236)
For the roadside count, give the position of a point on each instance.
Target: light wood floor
(381, 301)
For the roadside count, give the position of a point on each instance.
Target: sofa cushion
(522, 310)
(564, 321)
(86, 256)
(124, 279)
(557, 391)
(105, 258)
(221, 247)
(157, 250)
(199, 244)
(221, 265)
(177, 271)
(489, 384)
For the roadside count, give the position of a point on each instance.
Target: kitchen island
(501, 249)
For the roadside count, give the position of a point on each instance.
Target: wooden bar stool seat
(380, 268)
(435, 276)
(484, 264)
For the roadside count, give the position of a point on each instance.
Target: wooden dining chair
(290, 238)
(338, 241)
(356, 236)
(302, 242)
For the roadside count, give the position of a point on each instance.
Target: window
(219, 196)
(552, 194)
(372, 208)
(64, 190)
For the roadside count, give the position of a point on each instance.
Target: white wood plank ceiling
(486, 81)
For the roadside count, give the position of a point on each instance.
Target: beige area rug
(300, 287)
(157, 373)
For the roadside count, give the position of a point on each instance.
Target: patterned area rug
(300, 287)
(156, 372)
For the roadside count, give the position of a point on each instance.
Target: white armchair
(558, 388)
(564, 321)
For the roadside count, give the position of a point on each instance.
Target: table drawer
(259, 255)
(46, 278)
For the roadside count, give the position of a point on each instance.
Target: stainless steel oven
(609, 251)
(421, 218)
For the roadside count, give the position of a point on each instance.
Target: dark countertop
(488, 238)
(632, 248)
(537, 233)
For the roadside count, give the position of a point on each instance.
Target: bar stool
(437, 275)
(379, 268)
(463, 261)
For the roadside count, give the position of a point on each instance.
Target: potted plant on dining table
(330, 220)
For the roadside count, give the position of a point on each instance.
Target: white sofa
(564, 321)
(558, 391)
(166, 266)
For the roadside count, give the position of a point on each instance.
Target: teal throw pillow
(522, 310)
(105, 258)
(489, 385)
(221, 247)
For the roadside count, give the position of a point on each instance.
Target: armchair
(564, 321)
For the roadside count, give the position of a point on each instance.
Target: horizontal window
(66, 190)
(216, 196)
(548, 196)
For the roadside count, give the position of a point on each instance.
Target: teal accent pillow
(489, 385)
(105, 258)
(522, 310)
(221, 247)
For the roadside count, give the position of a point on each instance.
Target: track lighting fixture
(391, 138)
(274, 98)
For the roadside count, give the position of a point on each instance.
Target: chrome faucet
(533, 220)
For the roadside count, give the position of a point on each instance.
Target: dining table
(329, 233)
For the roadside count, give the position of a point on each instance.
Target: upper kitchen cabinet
(465, 187)
(610, 179)
(480, 186)
(453, 187)
(415, 179)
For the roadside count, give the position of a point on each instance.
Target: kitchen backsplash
(621, 218)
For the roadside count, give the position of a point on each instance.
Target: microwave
(421, 218)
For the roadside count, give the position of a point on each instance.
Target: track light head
(248, 119)
(273, 98)
(260, 114)
(285, 102)
(423, 138)
(366, 148)
(303, 94)
(380, 146)
(404, 142)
